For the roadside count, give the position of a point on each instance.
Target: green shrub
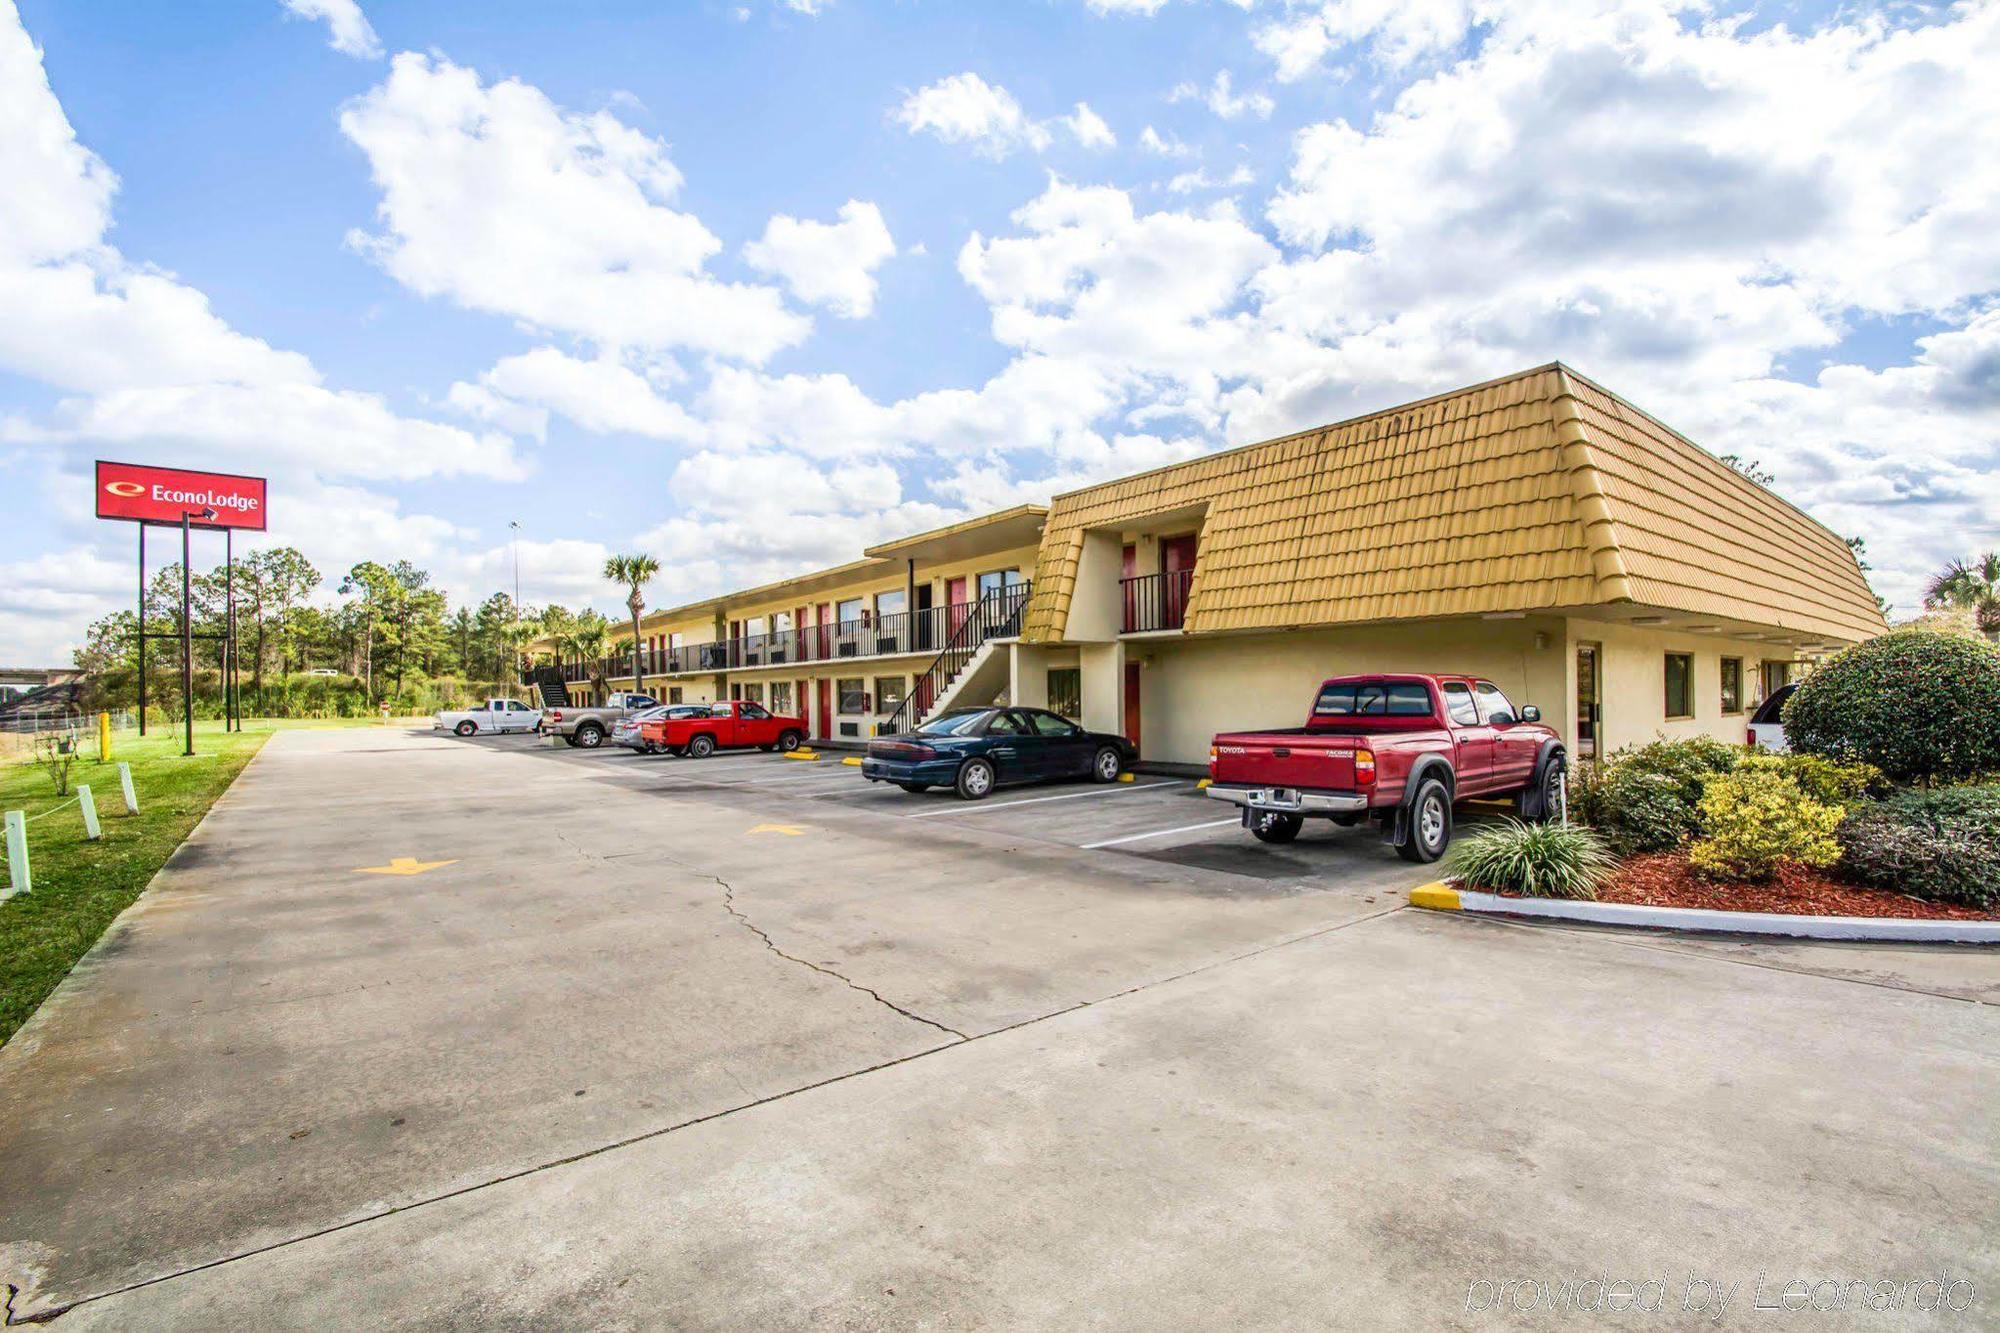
(1943, 845)
(1644, 800)
(1918, 704)
(1534, 860)
(1824, 780)
(1755, 819)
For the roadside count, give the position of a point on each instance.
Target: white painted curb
(1735, 923)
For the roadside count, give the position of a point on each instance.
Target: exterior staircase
(970, 664)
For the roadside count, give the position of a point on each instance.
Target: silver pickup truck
(587, 728)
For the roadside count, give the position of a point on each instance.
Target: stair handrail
(956, 654)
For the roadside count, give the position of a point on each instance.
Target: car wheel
(1107, 765)
(914, 786)
(466, 728)
(1428, 829)
(1544, 800)
(701, 747)
(590, 735)
(791, 740)
(975, 780)
(1276, 827)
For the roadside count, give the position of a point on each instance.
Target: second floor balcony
(928, 630)
(1154, 602)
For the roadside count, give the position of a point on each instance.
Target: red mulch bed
(1665, 879)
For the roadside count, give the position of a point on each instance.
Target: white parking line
(1037, 800)
(1157, 833)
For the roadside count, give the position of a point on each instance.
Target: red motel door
(1132, 702)
(954, 598)
(825, 719)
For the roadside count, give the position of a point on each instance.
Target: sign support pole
(229, 721)
(142, 629)
(187, 639)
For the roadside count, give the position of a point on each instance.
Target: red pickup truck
(733, 724)
(1398, 749)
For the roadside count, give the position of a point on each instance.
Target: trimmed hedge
(1943, 845)
(1757, 818)
(1919, 705)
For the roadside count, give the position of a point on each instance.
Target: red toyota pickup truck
(1398, 749)
(733, 724)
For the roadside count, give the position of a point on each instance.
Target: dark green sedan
(974, 750)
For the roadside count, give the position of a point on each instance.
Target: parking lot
(495, 1031)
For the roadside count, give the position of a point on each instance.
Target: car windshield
(953, 724)
(1772, 709)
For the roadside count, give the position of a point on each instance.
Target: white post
(1562, 793)
(17, 851)
(125, 785)
(88, 805)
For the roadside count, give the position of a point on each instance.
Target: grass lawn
(80, 885)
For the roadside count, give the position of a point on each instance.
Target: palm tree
(1969, 585)
(633, 571)
(586, 637)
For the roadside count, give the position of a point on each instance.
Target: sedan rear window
(1396, 698)
(953, 724)
(1772, 709)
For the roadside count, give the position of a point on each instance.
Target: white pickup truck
(496, 715)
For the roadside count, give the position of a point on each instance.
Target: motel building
(1536, 530)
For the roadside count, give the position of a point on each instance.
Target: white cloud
(1222, 98)
(1191, 182)
(603, 396)
(1089, 128)
(1394, 33)
(964, 108)
(496, 198)
(827, 263)
(348, 29)
(1160, 145)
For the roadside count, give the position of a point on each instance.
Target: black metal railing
(1156, 601)
(994, 616)
(921, 631)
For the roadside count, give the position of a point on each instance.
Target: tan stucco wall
(1192, 688)
(1634, 672)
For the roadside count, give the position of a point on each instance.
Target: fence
(19, 876)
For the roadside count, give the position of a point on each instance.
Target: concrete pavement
(644, 1057)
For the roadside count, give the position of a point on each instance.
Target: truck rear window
(1398, 698)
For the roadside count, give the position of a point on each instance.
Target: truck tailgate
(1283, 759)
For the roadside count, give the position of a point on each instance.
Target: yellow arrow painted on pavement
(402, 865)
(786, 829)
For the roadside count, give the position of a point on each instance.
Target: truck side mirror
(1530, 713)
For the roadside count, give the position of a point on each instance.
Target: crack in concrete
(729, 906)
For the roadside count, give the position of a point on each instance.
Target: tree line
(388, 635)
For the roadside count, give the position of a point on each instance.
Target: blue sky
(749, 285)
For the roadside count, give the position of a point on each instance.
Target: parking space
(1168, 821)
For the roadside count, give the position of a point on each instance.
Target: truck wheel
(789, 741)
(1107, 765)
(1276, 828)
(466, 728)
(1427, 831)
(570, 740)
(975, 780)
(590, 735)
(701, 747)
(1543, 799)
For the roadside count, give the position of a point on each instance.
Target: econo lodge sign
(164, 494)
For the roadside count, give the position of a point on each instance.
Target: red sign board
(163, 495)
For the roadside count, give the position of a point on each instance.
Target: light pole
(514, 640)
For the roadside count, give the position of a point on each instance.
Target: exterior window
(995, 582)
(892, 603)
(1680, 685)
(1494, 706)
(849, 610)
(754, 693)
(888, 693)
(1066, 691)
(1458, 701)
(853, 694)
(1732, 684)
(781, 697)
(673, 694)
